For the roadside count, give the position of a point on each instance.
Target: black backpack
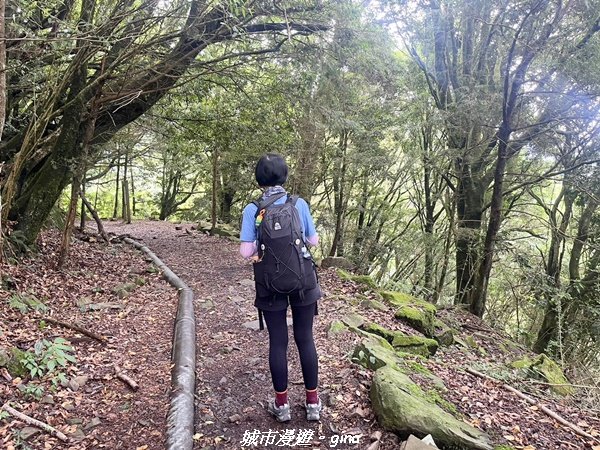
(285, 265)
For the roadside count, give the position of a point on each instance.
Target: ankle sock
(312, 397)
(281, 398)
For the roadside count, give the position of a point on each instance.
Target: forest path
(234, 383)
(233, 378)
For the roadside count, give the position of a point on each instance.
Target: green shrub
(47, 357)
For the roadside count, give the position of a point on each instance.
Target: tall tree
(480, 62)
(146, 50)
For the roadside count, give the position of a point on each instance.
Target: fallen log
(35, 423)
(534, 402)
(77, 328)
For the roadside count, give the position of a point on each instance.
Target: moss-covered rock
(402, 342)
(354, 320)
(4, 357)
(374, 352)
(443, 334)
(377, 329)
(418, 314)
(401, 299)
(471, 342)
(414, 344)
(544, 367)
(373, 304)
(336, 327)
(123, 290)
(418, 319)
(402, 407)
(10, 358)
(364, 280)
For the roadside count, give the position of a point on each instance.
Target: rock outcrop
(402, 406)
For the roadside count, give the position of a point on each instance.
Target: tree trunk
(215, 186)
(477, 305)
(549, 331)
(117, 183)
(94, 214)
(70, 222)
(40, 193)
(469, 209)
(428, 229)
(339, 181)
(127, 212)
(124, 199)
(448, 243)
(133, 204)
(226, 203)
(83, 215)
(308, 156)
(2, 67)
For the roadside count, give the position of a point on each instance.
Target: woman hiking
(275, 233)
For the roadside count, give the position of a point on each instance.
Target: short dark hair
(271, 170)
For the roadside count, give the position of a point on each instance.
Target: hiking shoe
(281, 413)
(313, 411)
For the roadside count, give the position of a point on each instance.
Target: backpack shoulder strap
(292, 199)
(269, 201)
(257, 204)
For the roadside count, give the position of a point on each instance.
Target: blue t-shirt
(248, 230)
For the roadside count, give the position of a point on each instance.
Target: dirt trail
(234, 381)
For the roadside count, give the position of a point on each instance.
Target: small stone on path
(28, 432)
(92, 424)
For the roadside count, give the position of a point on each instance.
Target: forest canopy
(449, 149)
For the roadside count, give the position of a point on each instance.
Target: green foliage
(47, 357)
(59, 379)
(33, 390)
(25, 303)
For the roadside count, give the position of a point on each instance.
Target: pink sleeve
(313, 240)
(248, 249)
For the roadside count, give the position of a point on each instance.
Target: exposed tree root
(77, 328)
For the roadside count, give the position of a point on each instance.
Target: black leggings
(278, 343)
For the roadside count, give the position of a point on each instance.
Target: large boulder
(402, 407)
(416, 313)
